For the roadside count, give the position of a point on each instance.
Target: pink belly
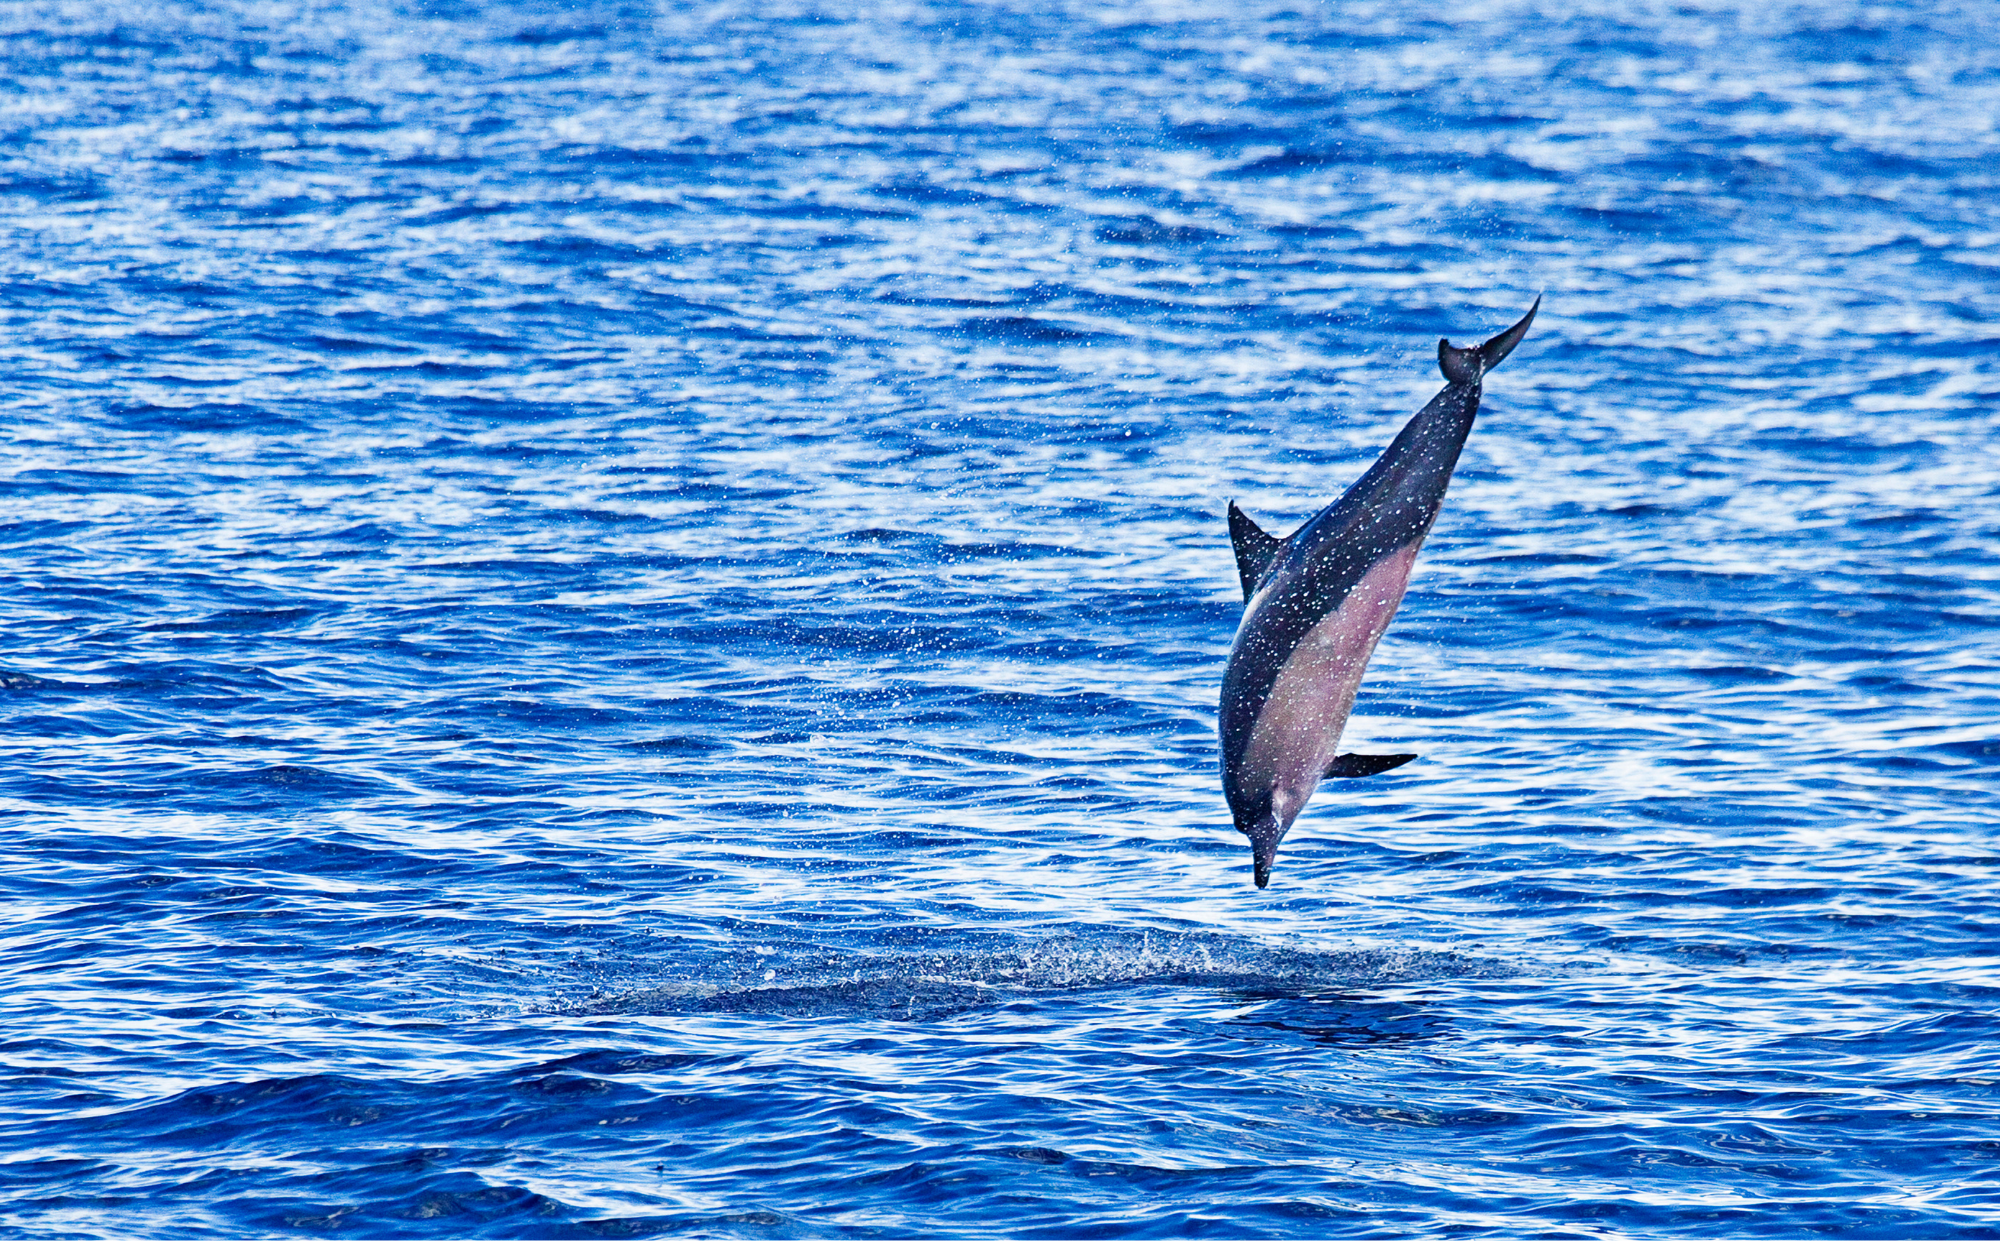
(1298, 730)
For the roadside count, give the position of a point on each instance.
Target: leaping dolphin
(1315, 605)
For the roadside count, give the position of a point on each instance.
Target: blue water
(612, 616)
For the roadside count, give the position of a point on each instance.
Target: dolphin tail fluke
(1355, 766)
(1255, 550)
(1495, 351)
(1470, 365)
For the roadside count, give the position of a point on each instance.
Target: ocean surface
(610, 619)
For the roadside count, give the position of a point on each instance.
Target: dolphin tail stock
(1255, 549)
(1470, 364)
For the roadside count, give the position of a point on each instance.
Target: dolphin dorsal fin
(1255, 550)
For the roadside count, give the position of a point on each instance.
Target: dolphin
(1316, 603)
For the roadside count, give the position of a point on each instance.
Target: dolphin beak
(1264, 840)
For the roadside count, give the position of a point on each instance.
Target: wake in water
(930, 986)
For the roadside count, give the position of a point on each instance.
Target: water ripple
(613, 620)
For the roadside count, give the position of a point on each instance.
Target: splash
(929, 986)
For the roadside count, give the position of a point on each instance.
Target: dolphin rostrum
(1315, 605)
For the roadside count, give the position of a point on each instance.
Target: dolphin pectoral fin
(1355, 766)
(1255, 550)
(1470, 365)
